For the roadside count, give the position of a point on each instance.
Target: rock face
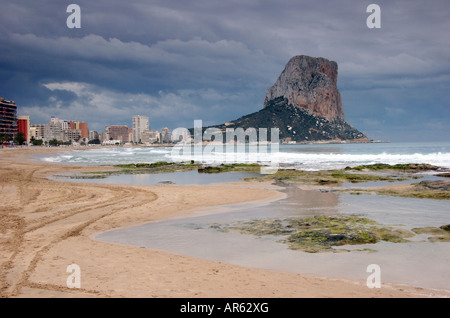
(304, 104)
(309, 83)
(297, 124)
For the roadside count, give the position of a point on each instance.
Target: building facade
(166, 135)
(150, 137)
(117, 132)
(72, 135)
(55, 129)
(8, 118)
(37, 131)
(63, 130)
(93, 135)
(23, 126)
(140, 124)
(83, 127)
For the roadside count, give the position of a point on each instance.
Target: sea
(308, 157)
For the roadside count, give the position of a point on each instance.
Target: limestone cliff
(304, 104)
(310, 84)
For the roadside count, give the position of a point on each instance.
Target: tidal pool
(177, 178)
(418, 262)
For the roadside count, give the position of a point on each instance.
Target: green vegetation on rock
(90, 175)
(324, 177)
(241, 167)
(411, 167)
(320, 233)
(437, 234)
(414, 193)
(168, 167)
(354, 177)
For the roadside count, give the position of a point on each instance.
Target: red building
(76, 125)
(84, 130)
(23, 126)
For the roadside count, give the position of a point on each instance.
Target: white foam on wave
(59, 158)
(318, 161)
(298, 159)
(339, 160)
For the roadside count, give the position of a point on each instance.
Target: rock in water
(304, 104)
(309, 83)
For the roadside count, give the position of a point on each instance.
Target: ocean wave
(317, 161)
(299, 157)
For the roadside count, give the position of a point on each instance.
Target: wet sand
(46, 225)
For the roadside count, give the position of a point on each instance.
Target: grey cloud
(221, 56)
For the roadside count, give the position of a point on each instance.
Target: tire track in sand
(26, 238)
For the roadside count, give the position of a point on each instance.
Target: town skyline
(69, 131)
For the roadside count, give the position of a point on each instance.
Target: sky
(180, 61)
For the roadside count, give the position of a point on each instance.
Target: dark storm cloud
(177, 61)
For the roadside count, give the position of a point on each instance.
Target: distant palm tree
(20, 138)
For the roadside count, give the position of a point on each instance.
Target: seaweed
(412, 167)
(320, 233)
(437, 234)
(247, 167)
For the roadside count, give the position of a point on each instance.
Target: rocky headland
(304, 104)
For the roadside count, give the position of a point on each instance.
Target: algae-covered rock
(412, 167)
(441, 185)
(321, 233)
(437, 234)
(166, 182)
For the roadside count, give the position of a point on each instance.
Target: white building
(140, 124)
(93, 135)
(150, 137)
(37, 131)
(166, 136)
(55, 129)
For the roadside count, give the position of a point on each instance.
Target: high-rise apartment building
(83, 127)
(140, 124)
(52, 131)
(63, 123)
(37, 131)
(55, 129)
(23, 126)
(8, 118)
(71, 134)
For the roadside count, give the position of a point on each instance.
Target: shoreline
(204, 143)
(48, 225)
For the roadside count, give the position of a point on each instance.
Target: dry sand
(47, 225)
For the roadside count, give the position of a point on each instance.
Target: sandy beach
(46, 225)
